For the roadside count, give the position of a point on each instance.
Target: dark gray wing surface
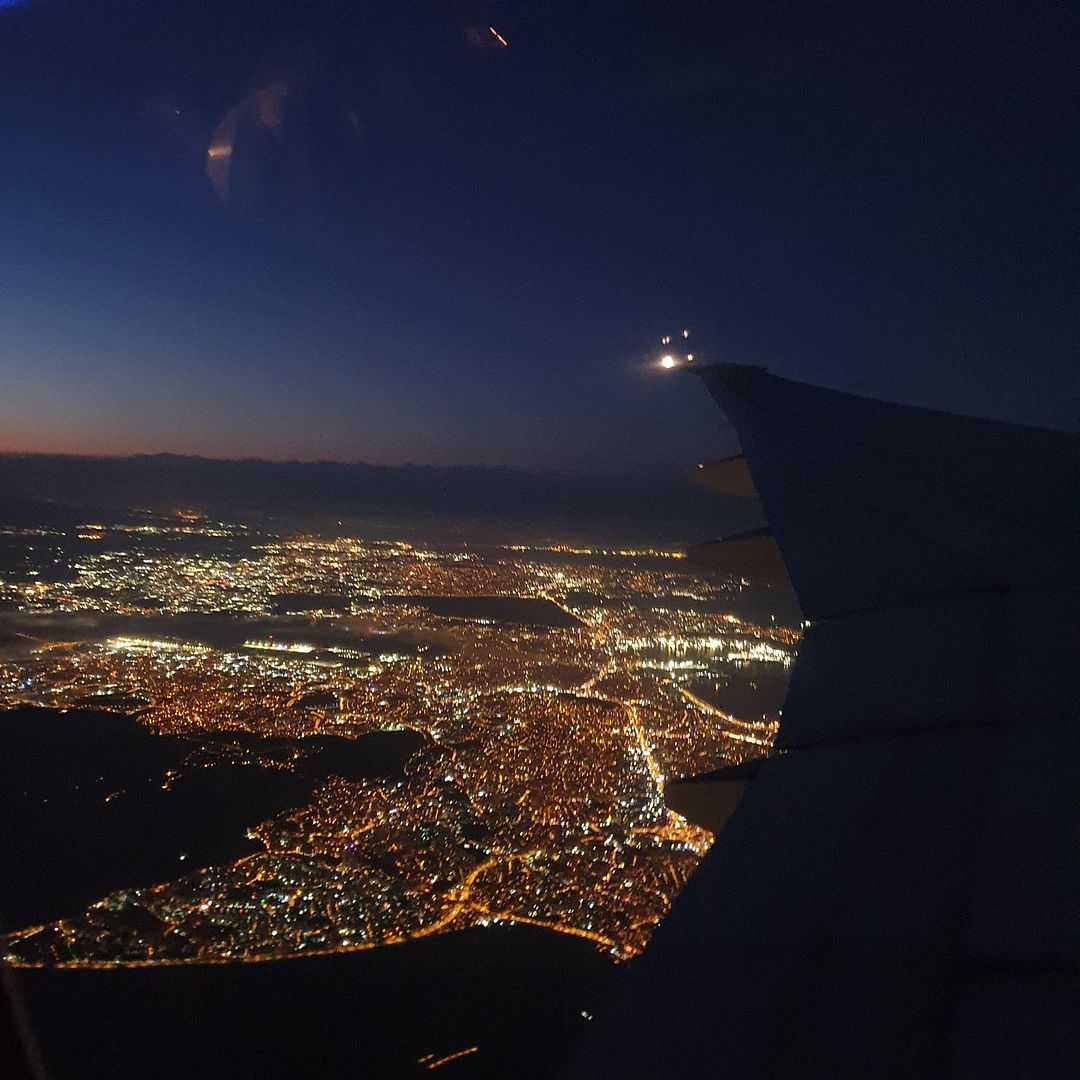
(895, 895)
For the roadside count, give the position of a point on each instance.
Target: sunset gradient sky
(429, 247)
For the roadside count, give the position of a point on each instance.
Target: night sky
(372, 232)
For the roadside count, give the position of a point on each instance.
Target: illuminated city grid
(537, 794)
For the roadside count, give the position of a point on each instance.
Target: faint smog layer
(556, 691)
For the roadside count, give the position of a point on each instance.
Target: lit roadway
(743, 736)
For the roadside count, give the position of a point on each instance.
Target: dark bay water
(528, 611)
(63, 846)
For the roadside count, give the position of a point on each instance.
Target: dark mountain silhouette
(648, 498)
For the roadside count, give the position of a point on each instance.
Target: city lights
(555, 688)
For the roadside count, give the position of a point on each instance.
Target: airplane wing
(893, 896)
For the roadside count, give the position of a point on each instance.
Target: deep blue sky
(436, 249)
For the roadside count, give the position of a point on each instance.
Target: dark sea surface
(301, 602)
(526, 611)
(750, 691)
(516, 993)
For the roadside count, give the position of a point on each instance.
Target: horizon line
(632, 468)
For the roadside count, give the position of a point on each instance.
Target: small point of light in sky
(686, 333)
(666, 339)
(498, 37)
(667, 361)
